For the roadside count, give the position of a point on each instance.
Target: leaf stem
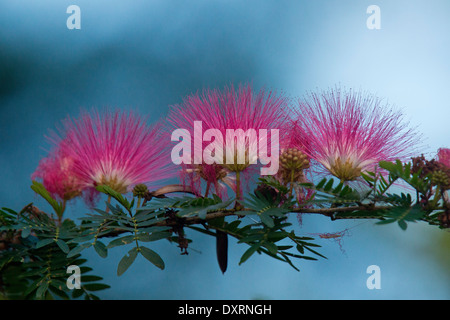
(60, 215)
(208, 186)
(135, 233)
(109, 202)
(238, 186)
(291, 183)
(138, 203)
(437, 197)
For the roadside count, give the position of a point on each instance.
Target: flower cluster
(342, 133)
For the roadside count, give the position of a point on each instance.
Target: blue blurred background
(147, 55)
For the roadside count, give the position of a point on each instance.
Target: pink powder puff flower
(443, 156)
(235, 109)
(349, 132)
(58, 177)
(116, 149)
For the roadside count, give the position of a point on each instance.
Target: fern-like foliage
(34, 264)
(37, 248)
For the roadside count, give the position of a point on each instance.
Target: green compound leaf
(403, 171)
(339, 194)
(403, 214)
(201, 206)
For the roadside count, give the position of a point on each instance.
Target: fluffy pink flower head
(58, 177)
(116, 149)
(443, 156)
(234, 109)
(349, 132)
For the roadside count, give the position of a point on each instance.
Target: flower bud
(140, 190)
(292, 164)
(440, 178)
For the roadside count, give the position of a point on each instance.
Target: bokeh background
(148, 55)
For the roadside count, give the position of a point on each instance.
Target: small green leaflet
(152, 256)
(121, 241)
(127, 261)
(249, 252)
(40, 189)
(147, 253)
(44, 242)
(101, 249)
(62, 245)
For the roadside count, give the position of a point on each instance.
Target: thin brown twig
(230, 212)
